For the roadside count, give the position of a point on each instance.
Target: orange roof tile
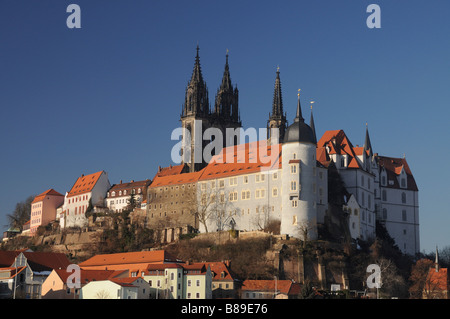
(49, 192)
(89, 275)
(176, 179)
(131, 258)
(283, 286)
(243, 159)
(171, 170)
(338, 143)
(84, 184)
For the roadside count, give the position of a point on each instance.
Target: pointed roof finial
(299, 116)
(436, 261)
(312, 102)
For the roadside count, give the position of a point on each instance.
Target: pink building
(43, 209)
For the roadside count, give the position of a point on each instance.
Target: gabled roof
(38, 261)
(283, 286)
(49, 192)
(176, 179)
(220, 271)
(393, 167)
(241, 159)
(85, 184)
(142, 257)
(171, 170)
(129, 186)
(338, 143)
(89, 275)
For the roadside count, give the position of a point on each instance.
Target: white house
(88, 192)
(116, 288)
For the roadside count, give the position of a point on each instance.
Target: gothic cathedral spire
(226, 104)
(196, 97)
(277, 120)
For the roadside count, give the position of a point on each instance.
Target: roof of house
(89, 275)
(38, 261)
(283, 286)
(177, 179)
(129, 186)
(49, 192)
(130, 258)
(85, 184)
(241, 159)
(337, 142)
(171, 170)
(220, 271)
(393, 167)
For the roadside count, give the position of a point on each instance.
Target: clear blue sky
(107, 96)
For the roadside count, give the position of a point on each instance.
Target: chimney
(120, 181)
(132, 181)
(159, 168)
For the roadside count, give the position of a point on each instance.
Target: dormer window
(403, 182)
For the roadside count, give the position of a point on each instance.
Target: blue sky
(107, 96)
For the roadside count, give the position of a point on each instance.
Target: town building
(116, 288)
(24, 271)
(179, 280)
(86, 195)
(270, 289)
(60, 284)
(119, 196)
(43, 209)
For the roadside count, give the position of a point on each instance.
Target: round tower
(299, 214)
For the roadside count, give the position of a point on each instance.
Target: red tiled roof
(283, 286)
(130, 258)
(170, 170)
(393, 167)
(338, 143)
(129, 186)
(177, 179)
(38, 261)
(88, 275)
(242, 159)
(84, 184)
(220, 271)
(49, 192)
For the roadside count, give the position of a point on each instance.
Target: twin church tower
(197, 116)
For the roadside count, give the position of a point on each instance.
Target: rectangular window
(274, 192)
(293, 185)
(294, 203)
(404, 215)
(293, 168)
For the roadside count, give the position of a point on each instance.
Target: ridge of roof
(80, 186)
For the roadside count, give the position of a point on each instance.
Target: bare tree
(304, 230)
(21, 213)
(214, 207)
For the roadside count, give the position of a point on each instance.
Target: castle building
(284, 179)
